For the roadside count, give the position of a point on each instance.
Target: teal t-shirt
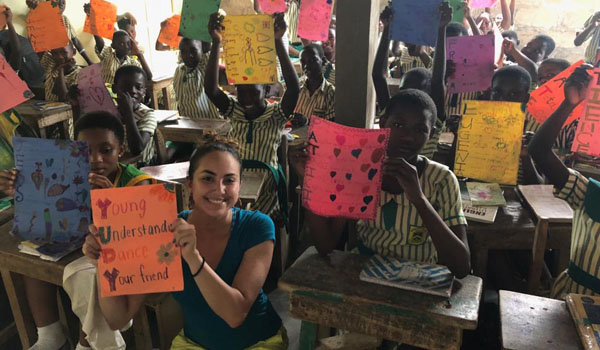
(201, 324)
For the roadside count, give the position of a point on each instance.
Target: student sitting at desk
(105, 135)
(582, 194)
(256, 124)
(226, 255)
(317, 95)
(420, 214)
(61, 73)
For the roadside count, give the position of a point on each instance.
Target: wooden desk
(188, 130)
(514, 229)
(40, 120)
(534, 323)
(165, 115)
(7, 215)
(328, 292)
(158, 84)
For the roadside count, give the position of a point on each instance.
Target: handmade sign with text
(489, 141)
(416, 22)
(587, 137)
(169, 33)
(45, 27)
(101, 20)
(14, 90)
(272, 6)
(314, 19)
(195, 16)
(458, 13)
(473, 57)
(138, 254)
(93, 95)
(249, 47)
(483, 3)
(343, 172)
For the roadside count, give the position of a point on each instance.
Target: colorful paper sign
(343, 172)
(93, 95)
(101, 20)
(169, 33)
(489, 141)
(14, 90)
(249, 47)
(416, 22)
(482, 3)
(194, 18)
(45, 27)
(52, 190)
(138, 253)
(314, 19)
(473, 57)
(272, 6)
(458, 14)
(587, 137)
(544, 100)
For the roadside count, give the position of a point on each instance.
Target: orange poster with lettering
(169, 33)
(45, 27)
(138, 255)
(101, 20)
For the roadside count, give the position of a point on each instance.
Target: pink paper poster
(483, 3)
(314, 18)
(343, 173)
(587, 137)
(14, 90)
(272, 6)
(474, 60)
(93, 95)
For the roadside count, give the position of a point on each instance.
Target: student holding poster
(226, 255)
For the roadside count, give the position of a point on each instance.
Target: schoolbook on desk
(585, 311)
(482, 193)
(480, 213)
(49, 251)
(409, 275)
(542, 201)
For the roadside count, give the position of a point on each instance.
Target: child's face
(216, 183)
(312, 64)
(547, 71)
(121, 45)
(535, 50)
(191, 53)
(329, 45)
(251, 97)
(63, 54)
(105, 150)
(509, 89)
(135, 85)
(410, 129)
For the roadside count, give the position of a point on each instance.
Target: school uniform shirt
(321, 103)
(454, 101)
(594, 46)
(585, 246)
(259, 140)
(192, 102)
(399, 231)
(329, 72)
(129, 175)
(408, 62)
(431, 145)
(145, 120)
(110, 63)
(51, 73)
(291, 18)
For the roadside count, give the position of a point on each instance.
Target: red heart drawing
(381, 138)
(337, 151)
(365, 189)
(244, 78)
(351, 209)
(363, 142)
(365, 167)
(377, 155)
(339, 187)
(341, 139)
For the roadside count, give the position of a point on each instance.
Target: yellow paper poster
(489, 141)
(249, 48)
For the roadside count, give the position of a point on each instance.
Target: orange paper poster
(544, 100)
(587, 137)
(45, 27)
(169, 33)
(101, 20)
(138, 254)
(14, 90)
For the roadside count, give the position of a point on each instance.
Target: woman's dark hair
(210, 142)
(100, 120)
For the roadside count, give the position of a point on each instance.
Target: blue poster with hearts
(52, 203)
(343, 172)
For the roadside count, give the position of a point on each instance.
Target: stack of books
(481, 200)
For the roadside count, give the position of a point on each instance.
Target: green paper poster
(195, 15)
(457, 10)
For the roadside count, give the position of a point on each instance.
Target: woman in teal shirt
(226, 257)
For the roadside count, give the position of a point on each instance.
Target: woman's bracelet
(199, 269)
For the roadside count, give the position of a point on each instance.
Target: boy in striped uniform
(140, 121)
(256, 125)
(61, 73)
(317, 95)
(582, 194)
(591, 30)
(420, 214)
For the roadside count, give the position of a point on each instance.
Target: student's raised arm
(15, 53)
(136, 51)
(292, 85)
(506, 15)
(540, 147)
(211, 74)
(592, 23)
(438, 90)
(508, 47)
(467, 14)
(380, 65)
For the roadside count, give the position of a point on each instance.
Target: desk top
(7, 215)
(26, 109)
(164, 115)
(530, 322)
(162, 78)
(28, 265)
(197, 125)
(335, 278)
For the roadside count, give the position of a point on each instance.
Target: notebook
(482, 193)
(585, 311)
(478, 213)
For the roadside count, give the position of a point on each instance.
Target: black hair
(101, 120)
(550, 44)
(511, 34)
(129, 70)
(414, 98)
(191, 41)
(562, 63)
(421, 73)
(456, 29)
(516, 72)
(123, 22)
(120, 34)
(210, 142)
(318, 48)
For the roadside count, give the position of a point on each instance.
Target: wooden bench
(41, 120)
(326, 291)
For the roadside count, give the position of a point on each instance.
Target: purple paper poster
(93, 95)
(473, 57)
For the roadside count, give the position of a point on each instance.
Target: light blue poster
(416, 22)
(52, 203)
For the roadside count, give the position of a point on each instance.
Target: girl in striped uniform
(420, 214)
(582, 194)
(256, 125)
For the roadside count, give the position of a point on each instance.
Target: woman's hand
(406, 175)
(7, 181)
(91, 247)
(185, 238)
